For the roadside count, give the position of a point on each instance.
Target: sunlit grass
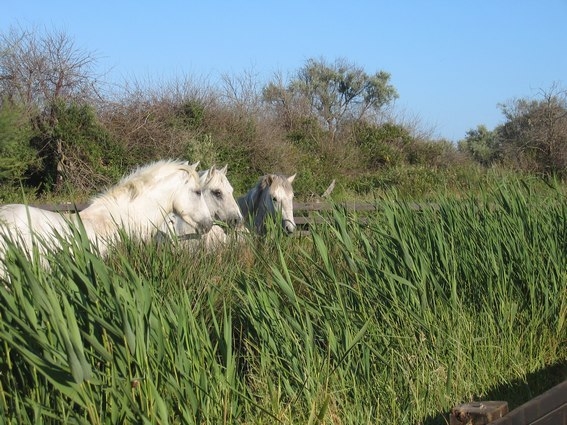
(390, 319)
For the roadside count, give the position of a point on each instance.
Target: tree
(42, 72)
(534, 136)
(37, 69)
(333, 93)
(16, 155)
(482, 145)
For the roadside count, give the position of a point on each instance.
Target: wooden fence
(305, 213)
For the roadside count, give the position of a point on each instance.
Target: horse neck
(252, 205)
(249, 203)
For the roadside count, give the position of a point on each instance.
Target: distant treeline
(64, 132)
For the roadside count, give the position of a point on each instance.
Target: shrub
(16, 154)
(482, 145)
(77, 151)
(191, 114)
(534, 137)
(432, 153)
(381, 146)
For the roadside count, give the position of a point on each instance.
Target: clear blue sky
(451, 61)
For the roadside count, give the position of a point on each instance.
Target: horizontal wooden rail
(546, 409)
(297, 206)
(303, 211)
(325, 206)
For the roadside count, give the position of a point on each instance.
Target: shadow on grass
(517, 392)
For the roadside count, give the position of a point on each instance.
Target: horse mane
(274, 181)
(271, 181)
(133, 184)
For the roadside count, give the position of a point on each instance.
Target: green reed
(389, 317)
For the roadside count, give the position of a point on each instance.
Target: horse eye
(217, 194)
(198, 192)
(274, 199)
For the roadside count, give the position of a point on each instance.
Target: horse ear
(290, 178)
(195, 165)
(223, 169)
(204, 175)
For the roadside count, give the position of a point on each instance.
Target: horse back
(25, 219)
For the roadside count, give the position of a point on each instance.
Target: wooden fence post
(478, 413)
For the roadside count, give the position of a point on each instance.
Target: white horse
(271, 197)
(138, 204)
(218, 194)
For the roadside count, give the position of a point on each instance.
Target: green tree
(334, 93)
(41, 72)
(482, 145)
(77, 151)
(16, 154)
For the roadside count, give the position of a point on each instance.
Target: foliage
(433, 153)
(382, 146)
(77, 152)
(534, 136)
(335, 93)
(191, 113)
(16, 154)
(482, 145)
(328, 122)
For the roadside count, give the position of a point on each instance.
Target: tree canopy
(334, 92)
(534, 135)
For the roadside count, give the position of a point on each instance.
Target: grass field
(394, 320)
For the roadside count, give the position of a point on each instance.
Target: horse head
(276, 193)
(188, 201)
(218, 194)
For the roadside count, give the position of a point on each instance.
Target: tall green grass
(392, 317)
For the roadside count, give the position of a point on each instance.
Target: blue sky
(452, 61)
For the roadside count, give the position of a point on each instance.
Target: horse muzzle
(289, 226)
(205, 226)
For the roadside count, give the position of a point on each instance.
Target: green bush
(78, 154)
(431, 153)
(381, 146)
(190, 114)
(422, 182)
(17, 157)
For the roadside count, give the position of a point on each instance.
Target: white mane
(133, 184)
